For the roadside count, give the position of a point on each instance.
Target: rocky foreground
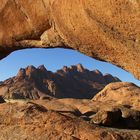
(71, 104)
(74, 119)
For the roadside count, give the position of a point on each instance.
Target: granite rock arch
(105, 30)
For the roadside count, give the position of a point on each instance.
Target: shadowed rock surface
(106, 113)
(68, 82)
(2, 100)
(106, 30)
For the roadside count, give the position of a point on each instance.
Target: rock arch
(105, 30)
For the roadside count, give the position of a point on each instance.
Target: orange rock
(105, 30)
(123, 93)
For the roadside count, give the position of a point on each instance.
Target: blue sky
(54, 59)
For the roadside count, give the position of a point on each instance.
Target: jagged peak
(97, 72)
(21, 72)
(30, 69)
(80, 68)
(42, 68)
(65, 68)
(73, 67)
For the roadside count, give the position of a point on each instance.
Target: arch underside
(105, 30)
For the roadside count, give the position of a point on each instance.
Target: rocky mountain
(69, 82)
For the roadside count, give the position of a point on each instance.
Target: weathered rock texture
(68, 82)
(55, 119)
(105, 30)
(100, 112)
(122, 93)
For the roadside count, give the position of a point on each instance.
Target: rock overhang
(105, 30)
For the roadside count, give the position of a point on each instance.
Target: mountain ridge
(69, 82)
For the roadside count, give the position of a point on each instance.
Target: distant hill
(69, 82)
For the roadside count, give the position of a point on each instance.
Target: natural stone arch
(105, 30)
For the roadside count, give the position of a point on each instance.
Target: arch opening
(55, 59)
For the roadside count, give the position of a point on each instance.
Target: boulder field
(105, 30)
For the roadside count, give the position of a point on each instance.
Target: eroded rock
(32, 120)
(58, 118)
(105, 30)
(123, 93)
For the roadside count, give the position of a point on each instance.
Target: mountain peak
(80, 68)
(21, 72)
(73, 67)
(65, 68)
(98, 72)
(77, 67)
(30, 69)
(42, 68)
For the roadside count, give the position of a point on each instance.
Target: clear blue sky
(54, 59)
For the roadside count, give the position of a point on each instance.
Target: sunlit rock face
(120, 93)
(105, 30)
